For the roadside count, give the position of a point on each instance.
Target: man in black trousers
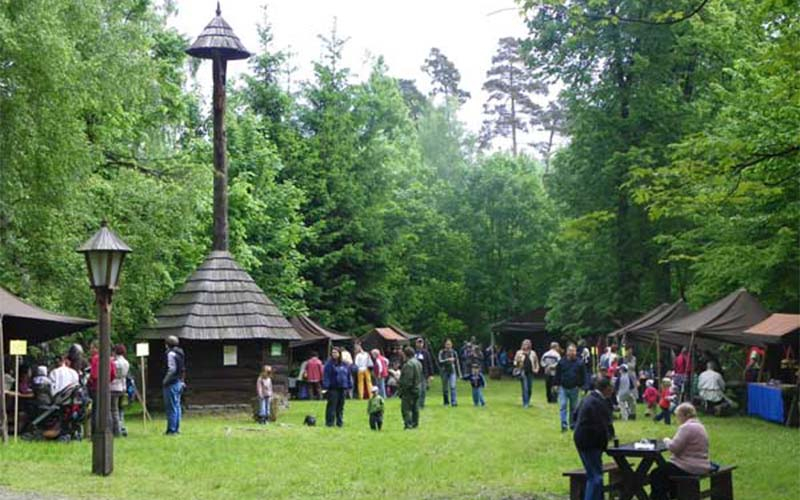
(593, 431)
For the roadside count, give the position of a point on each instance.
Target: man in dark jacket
(173, 384)
(593, 430)
(409, 386)
(424, 357)
(570, 377)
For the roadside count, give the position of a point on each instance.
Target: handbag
(516, 372)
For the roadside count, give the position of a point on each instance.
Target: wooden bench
(688, 487)
(577, 480)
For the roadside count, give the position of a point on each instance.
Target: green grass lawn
(500, 451)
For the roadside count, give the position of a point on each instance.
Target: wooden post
(691, 367)
(3, 416)
(16, 398)
(220, 160)
(144, 393)
(103, 438)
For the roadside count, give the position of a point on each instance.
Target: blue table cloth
(765, 401)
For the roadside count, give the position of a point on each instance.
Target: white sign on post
(17, 348)
(142, 349)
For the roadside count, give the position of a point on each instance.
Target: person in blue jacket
(336, 380)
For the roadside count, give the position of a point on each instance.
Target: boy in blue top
(478, 382)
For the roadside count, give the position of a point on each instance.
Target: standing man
(585, 355)
(549, 361)
(313, 375)
(593, 430)
(424, 357)
(447, 370)
(569, 378)
(173, 384)
(411, 379)
(683, 370)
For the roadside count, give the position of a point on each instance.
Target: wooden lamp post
(104, 253)
(218, 43)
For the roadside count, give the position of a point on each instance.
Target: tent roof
(409, 336)
(774, 328)
(531, 322)
(725, 320)
(27, 322)
(644, 328)
(390, 334)
(220, 301)
(644, 318)
(310, 332)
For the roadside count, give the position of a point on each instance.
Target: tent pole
(658, 358)
(763, 363)
(493, 355)
(691, 366)
(3, 419)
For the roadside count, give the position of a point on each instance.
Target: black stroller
(62, 417)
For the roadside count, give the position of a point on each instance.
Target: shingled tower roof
(218, 37)
(220, 301)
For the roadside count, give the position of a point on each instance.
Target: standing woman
(336, 380)
(119, 387)
(526, 365)
(448, 359)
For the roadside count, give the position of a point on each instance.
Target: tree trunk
(220, 159)
(513, 113)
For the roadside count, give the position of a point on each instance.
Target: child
(650, 397)
(476, 380)
(665, 400)
(264, 390)
(625, 387)
(375, 410)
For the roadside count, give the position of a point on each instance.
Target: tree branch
(668, 22)
(759, 157)
(113, 160)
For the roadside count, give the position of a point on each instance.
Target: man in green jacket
(409, 388)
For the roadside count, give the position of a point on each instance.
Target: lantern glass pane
(98, 265)
(115, 259)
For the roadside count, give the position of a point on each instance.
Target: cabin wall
(209, 381)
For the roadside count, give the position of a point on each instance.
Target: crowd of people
(39, 384)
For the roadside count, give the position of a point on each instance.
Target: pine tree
(445, 77)
(511, 85)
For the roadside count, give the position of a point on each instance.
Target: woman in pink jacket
(689, 450)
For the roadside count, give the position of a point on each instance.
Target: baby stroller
(62, 417)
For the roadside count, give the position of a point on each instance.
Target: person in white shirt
(711, 388)
(119, 388)
(548, 362)
(364, 381)
(63, 376)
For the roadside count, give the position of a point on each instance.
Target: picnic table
(634, 480)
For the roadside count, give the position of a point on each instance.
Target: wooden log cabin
(228, 329)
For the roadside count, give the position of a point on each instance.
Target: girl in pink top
(264, 391)
(689, 450)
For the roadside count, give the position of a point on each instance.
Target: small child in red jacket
(650, 397)
(667, 396)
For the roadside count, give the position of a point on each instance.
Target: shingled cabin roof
(220, 301)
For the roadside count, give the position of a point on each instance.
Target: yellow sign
(18, 347)
(142, 349)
